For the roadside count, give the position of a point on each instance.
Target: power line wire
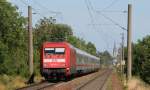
(24, 2)
(113, 11)
(57, 14)
(35, 10)
(90, 9)
(90, 5)
(110, 5)
(52, 12)
(90, 13)
(115, 23)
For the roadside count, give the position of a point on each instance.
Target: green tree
(144, 58)
(141, 59)
(12, 40)
(91, 48)
(48, 30)
(105, 58)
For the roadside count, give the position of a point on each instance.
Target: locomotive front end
(54, 61)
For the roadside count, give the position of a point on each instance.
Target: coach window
(80, 59)
(49, 50)
(60, 50)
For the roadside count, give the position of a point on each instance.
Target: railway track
(39, 86)
(88, 85)
(96, 83)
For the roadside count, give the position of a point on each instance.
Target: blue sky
(104, 33)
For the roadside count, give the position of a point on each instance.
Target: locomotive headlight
(68, 68)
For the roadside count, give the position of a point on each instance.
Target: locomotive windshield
(59, 50)
(49, 50)
(54, 50)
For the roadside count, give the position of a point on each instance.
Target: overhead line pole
(122, 52)
(30, 43)
(129, 44)
(121, 59)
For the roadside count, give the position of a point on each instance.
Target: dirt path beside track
(116, 83)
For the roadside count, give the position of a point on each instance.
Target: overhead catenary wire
(110, 5)
(25, 3)
(114, 22)
(55, 14)
(90, 13)
(51, 12)
(35, 10)
(112, 11)
(90, 10)
(96, 19)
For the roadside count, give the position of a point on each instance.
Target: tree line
(141, 59)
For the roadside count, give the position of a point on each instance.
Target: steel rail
(106, 73)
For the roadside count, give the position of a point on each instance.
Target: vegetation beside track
(11, 82)
(141, 59)
(137, 84)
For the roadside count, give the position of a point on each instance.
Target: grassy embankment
(137, 84)
(14, 82)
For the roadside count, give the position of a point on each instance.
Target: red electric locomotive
(62, 60)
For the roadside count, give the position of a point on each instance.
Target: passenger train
(63, 60)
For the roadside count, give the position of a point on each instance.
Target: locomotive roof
(83, 52)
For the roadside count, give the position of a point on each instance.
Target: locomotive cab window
(49, 50)
(54, 50)
(60, 50)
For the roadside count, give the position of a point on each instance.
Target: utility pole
(122, 52)
(129, 44)
(30, 37)
(121, 58)
(114, 50)
(115, 54)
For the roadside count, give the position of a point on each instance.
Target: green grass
(11, 82)
(109, 84)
